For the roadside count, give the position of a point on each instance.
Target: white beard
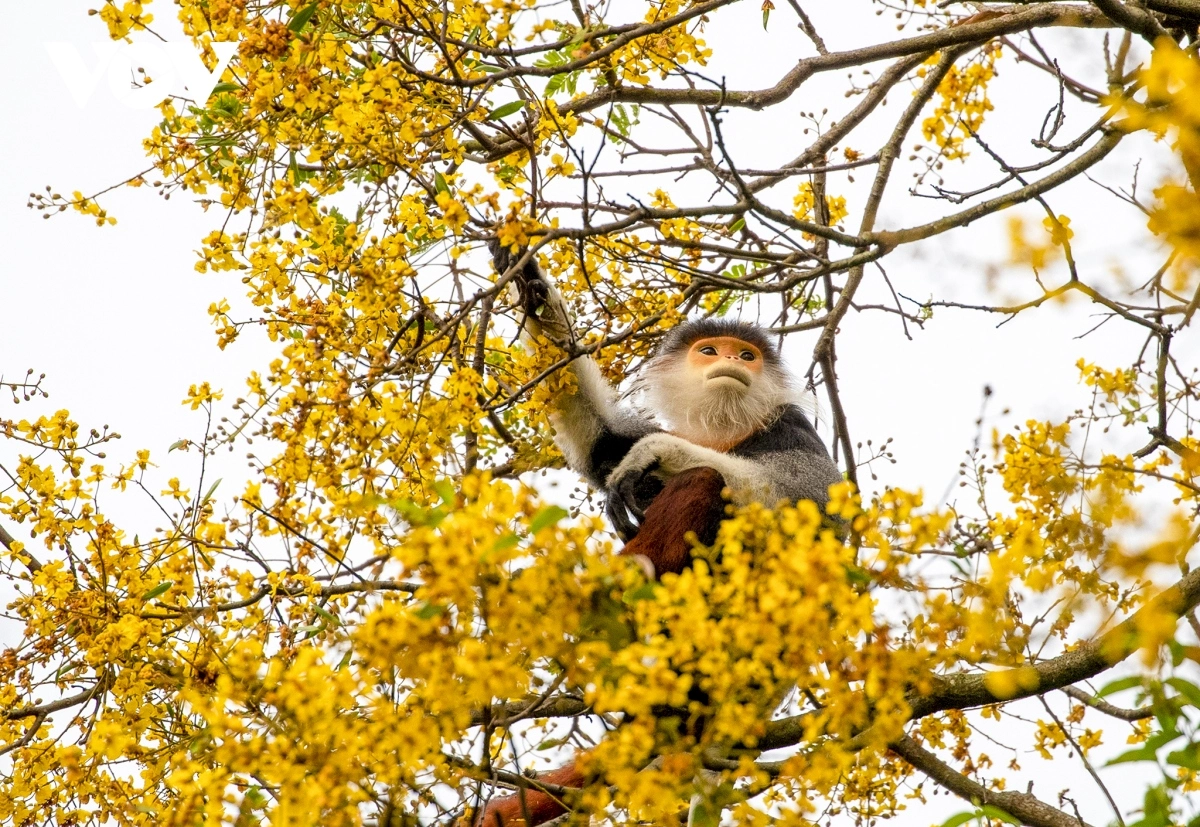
(713, 412)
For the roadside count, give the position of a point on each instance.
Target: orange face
(726, 356)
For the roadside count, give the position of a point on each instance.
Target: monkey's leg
(689, 502)
(540, 807)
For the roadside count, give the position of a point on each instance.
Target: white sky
(116, 317)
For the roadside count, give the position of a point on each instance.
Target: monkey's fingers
(614, 509)
(628, 489)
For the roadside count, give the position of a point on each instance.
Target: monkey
(723, 419)
(726, 404)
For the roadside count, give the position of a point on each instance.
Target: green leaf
(506, 542)
(1119, 685)
(960, 818)
(857, 576)
(429, 611)
(439, 183)
(1187, 689)
(998, 814)
(298, 175)
(179, 443)
(222, 88)
(1188, 757)
(413, 513)
(1140, 754)
(643, 592)
(344, 662)
(1178, 652)
(505, 110)
(300, 19)
(445, 490)
(737, 225)
(327, 615)
(65, 668)
(545, 518)
(208, 495)
(703, 814)
(551, 59)
(1147, 751)
(159, 590)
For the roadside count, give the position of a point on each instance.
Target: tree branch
(1030, 810)
(7, 540)
(1085, 660)
(1107, 143)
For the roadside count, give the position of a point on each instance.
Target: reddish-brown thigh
(689, 502)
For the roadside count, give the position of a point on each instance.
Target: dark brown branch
(828, 140)
(30, 734)
(1101, 705)
(1030, 810)
(1188, 9)
(44, 710)
(1134, 19)
(1084, 161)
(559, 706)
(362, 586)
(1086, 660)
(887, 157)
(7, 540)
(1041, 15)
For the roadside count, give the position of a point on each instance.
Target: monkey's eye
(747, 356)
(708, 350)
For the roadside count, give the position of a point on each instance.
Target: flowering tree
(385, 625)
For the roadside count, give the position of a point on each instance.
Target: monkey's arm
(666, 455)
(594, 434)
(591, 430)
(785, 462)
(663, 456)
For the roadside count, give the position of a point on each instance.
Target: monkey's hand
(543, 311)
(639, 477)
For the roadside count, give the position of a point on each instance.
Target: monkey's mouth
(730, 372)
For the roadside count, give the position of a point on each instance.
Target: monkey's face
(717, 392)
(725, 364)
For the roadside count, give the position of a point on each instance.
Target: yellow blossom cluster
(1169, 110)
(962, 103)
